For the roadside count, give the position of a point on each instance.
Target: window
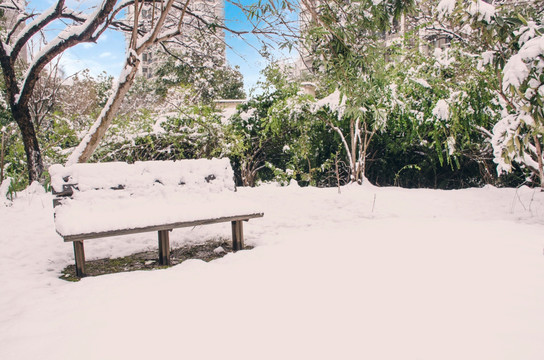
(147, 58)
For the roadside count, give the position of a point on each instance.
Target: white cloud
(97, 57)
(71, 62)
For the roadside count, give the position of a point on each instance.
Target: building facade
(8, 21)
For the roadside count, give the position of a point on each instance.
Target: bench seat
(167, 226)
(107, 210)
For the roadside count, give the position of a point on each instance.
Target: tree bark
(539, 156)
(247, 173)
(30, 141)
(2, 150)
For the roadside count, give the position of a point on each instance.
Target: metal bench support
(164, 247)
(237, 235)
(79, 254)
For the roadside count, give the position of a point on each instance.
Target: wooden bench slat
(96, 235)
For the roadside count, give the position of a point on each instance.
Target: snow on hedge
(334, 101)
(445, 7)
(523, 71)
(481, 10)
(441, 110)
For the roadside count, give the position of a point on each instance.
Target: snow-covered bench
(109, 199)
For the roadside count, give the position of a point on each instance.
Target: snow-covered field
(371, 273)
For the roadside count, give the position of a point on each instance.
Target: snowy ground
(371, 273)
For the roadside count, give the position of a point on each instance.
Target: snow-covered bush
(406, 104)
(506, 37)
(13, 156)
(518, 137)
(274, 136)
(6, 192)
(190, 132)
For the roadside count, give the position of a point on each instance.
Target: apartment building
(8, 21)
(301, 67)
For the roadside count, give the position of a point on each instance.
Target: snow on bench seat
(108, 199)
(204, 175)
(109, 210)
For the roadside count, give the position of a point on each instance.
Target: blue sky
(108, 53)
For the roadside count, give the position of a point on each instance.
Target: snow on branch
(69, 37)
(35, 26)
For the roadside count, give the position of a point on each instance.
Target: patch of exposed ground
(148, 260)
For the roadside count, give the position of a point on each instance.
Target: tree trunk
(247, 174)
(540, 165)
(2, 149)
(337, 172)
(353, 160)
(21, 114)
(30, 141)
(85, 149)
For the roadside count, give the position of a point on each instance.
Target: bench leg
(164, 247)
(237, 235)
(79, 254)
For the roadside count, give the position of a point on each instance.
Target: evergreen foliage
(394, 110)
